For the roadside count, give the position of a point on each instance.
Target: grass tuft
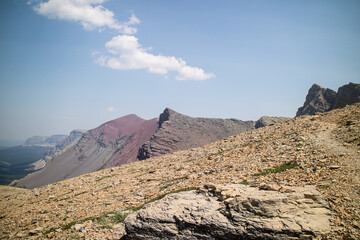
(277, 169)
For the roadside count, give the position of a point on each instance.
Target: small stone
(119, 225)
(36, 230)
(210, 187)
(20, 235)
(78, 227)
(350, 122)
(332, 167)
(270, 187)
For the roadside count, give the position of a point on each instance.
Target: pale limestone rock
(233, 212)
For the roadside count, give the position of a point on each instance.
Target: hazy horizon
(74, 64)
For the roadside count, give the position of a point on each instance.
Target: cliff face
(111, 144)
(346, 95)
(41, 141)
(179, 132)
(319, 99)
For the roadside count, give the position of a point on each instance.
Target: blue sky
(78, 63)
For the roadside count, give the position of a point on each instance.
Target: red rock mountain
(113, 143)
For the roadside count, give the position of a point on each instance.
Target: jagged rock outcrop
(179, 132)
(267, 121)
(319, 99)
(41, 141)
(113, 143)
(233, 212)
(346, 95)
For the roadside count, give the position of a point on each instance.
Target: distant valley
(15, 161)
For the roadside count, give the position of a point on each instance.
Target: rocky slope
(40, 141)
(179, 132)
(320, 150)
(113, 143)
(321, 99)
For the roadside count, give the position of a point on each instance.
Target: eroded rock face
(321, 99)
(318, 100)
(44, 141)
(233, 212)
(179, 132)
(346, 95)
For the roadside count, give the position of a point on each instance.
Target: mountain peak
(321, 99)
(165, 115)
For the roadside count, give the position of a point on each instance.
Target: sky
(68, 64)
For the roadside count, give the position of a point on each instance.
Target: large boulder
(233, 212)
(267, 121)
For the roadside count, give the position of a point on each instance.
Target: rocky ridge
(179, 132)
(323, 150)
(319, 99)
(59, 148)
(41, 141)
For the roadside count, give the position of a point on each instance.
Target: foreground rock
(233, 212)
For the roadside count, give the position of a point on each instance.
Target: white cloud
(111, 109)
(127, 53)
(89, 13)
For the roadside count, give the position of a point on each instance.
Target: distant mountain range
(130, 138)
(40, 141)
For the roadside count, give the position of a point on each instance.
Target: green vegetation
(277, 169)
(79, 193)
(166, 186)
(121, 215)
(175, 191)
(181, 178)
(103, 221)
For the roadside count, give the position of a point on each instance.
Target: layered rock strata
(234, 212)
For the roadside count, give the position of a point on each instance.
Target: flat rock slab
(233, 212)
